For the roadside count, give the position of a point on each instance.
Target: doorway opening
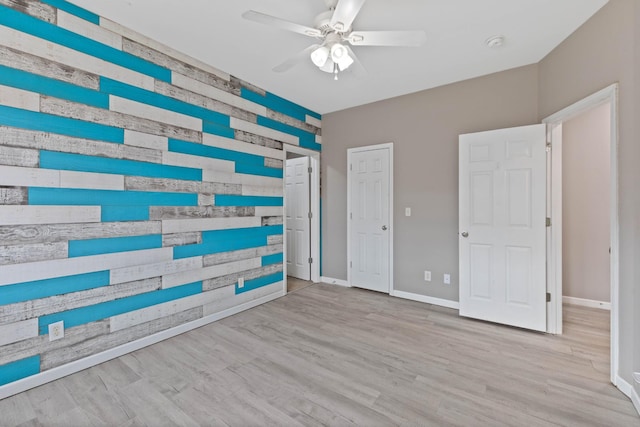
(302, 217)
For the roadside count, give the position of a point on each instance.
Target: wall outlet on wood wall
(56, 330)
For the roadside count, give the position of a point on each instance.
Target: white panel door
(369, 219)
(298, 221)
(502, 220)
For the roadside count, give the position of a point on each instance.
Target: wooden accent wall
(137, 186)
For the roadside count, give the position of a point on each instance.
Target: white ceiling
(214, 32)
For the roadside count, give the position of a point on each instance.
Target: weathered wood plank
(259, 190)
(222, 257)
(206, 200)
(67, 354)
(230, 279)
(199, 162)
(259, 180)
(269, 210)
(173, 64)
(181, 239)
(32, 346)
(34, 64)
(40, 307)
(17, 215)
(146, 140)
(273, 163)
(252, 138)
(14, 196)
(48, 233)
(44, 48)
(313, 121)
(18, 254)
(33, 8)
(29, 177)
(153, 113)
(203, 101)
(190, 212)
(272, 220)
(48, 141)
(241, 146)
(288, 120)
(18, 331)
(18, 98)
(95, 181)
(88, 29)
(235, 300)
(146, 271)
(264, 131)
(170, 226)
(253, 88)
(207, 273)
(19, 157)
(84, 112)
(180, 186)
(275, 239)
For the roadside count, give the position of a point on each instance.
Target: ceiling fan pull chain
(335, 71)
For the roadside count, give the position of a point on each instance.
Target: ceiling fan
(333, 30)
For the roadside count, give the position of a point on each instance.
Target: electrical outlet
(447, 279)
(407, 211)
(427, 275)
(56, 330)
(241, 282)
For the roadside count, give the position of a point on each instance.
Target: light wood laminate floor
(294, 284)
(327, 355)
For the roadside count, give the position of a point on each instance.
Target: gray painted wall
(586, 179)
(424, 128)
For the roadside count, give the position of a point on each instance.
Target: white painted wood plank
(192, 161)
(260, 190)
(241, 146)
(170, 226)
(263, 131)
(96, 181)
(146, 140)
(145, 111)
(265, 181)
(138, 272)
(211, 175)
(182, 278)
(193, 85)
(89, 30)
(158, 311)
(19, 98)
(135, 36)
(28, 272)
(319, 139)
(206, 199)
(18, 331)
(16, 215)
(234, 300)
(313, 121)
(29, 177)
(54, 52)
(269, 211)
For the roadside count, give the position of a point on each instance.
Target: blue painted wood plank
(74, 10)
(82, 197)
(218, 129)
(19, 369)
(93, 313)
(30, 25)
(258, 170)
(16, 117)
(240, 233)
(232, 200)
(250, 285)
(272, 259)
(137, 94)
(124, 213)
(216, 241)
(52, 87)
(26, 291)
(307, 139)
(78, 248)
(179, 146)
(278, 104)
(84, 163)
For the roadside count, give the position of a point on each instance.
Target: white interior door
(502, 219)
(298, 221)
(369, 219)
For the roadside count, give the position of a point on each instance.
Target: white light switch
(407, 211)
(447, 279)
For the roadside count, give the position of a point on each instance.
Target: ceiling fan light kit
(333, 29)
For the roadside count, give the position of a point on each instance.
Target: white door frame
(314, 162)
(554, 257)
(388, 146)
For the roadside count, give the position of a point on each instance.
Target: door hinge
(351, 167)
(548, 148)
(310, 215)
(548, 297)
(309, 170)
(350, 264)
(310, 260)
(351, 215)
(548, 222)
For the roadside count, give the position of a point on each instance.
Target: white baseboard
(630, 392)
(332, 281)
(587, 303)
(429, 300)
(79, 365)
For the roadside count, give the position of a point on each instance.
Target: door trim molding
(350, 151)
(554, 122)
(314, 162)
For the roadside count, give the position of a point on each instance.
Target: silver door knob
(384, 227)
(465, 234)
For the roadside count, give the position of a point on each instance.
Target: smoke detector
(495, 42)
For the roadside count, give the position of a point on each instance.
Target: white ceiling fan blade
(356, 68)
(262, 18)
(387, 38)
(296, 59)
(345, 13)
